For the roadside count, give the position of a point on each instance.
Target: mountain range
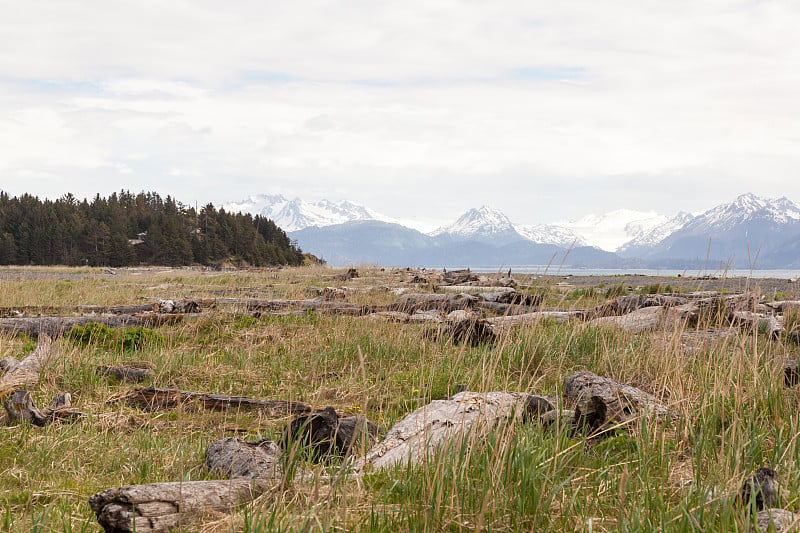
(748, 232)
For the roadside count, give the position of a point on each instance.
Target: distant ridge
(748, 231)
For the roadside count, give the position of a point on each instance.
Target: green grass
(734, 414)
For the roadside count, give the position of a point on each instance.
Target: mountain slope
(748, 232)
(296, 214)
(394, 245)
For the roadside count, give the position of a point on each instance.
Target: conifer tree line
(126, 229)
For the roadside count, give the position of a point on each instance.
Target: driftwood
(160, 306)
(161, 507)
(780, 519)
(439, 302)
(152, 398)
(126, 373)
(599, 400)
(323, 433)
(791, 372)
(232, 457)
(643, 319)
(56, 326)
(24, 373)
(471, 328)
(20, 408)
(770, 323)
(535, 318)
(424, 430)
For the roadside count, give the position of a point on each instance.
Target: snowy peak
(296, 214)
(551, 234)
(749, 207)
(652, 236)
(612, 230)
(483, 221)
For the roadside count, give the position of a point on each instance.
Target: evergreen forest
(131, 229)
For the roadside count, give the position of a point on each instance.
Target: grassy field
(735, 413)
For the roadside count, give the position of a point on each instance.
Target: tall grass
(734, 413)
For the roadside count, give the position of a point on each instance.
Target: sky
(418, 109)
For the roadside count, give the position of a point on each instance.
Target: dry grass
(735, 413)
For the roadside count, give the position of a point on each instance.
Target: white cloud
(544, 110)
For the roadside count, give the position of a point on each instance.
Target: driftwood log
(55, 326)
(599, 400)
(151, 398)
(323, 433)
(643, 319)
(159, 306)
(232, 457)
(445, 303)
(20, 408)
(24, 373)
(161, 507)
(424, 430)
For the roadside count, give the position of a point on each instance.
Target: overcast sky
(544, 110)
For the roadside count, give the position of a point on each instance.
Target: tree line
(126, 229)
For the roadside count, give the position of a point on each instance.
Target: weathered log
(260, 308)
(424, 430)
(56, 326)
(599, 400)
(643, 319)
(759, 490)
(777, 520)
(717, 310)
(472, 329)
(20, 408)
(161, 507)
(769, 323)
(151, 398)
(439, 302)
(126, 373)
(535, 318)
(791, 372)
(24, 373)
(322, 433)
(160, 306)
(232, 457)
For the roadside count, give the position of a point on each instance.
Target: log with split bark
(152, 398)
(600, 400)
(441, 421)
(161, 507)
(55, 326)
(20, 408)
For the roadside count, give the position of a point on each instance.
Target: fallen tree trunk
(160, 306)
(599, 400)
(536, 317)
(161, 507)
(152, 398)
(643, 319)
(24, 373)
(445, 303)
(56, 326)
(424, 430)
(20, 408)
(769, 323)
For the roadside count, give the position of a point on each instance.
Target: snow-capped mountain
(483, 222)
(490, 225)
(612, 230)
(746, 208)
(645, 240)
(748, 232)
(296, 214)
